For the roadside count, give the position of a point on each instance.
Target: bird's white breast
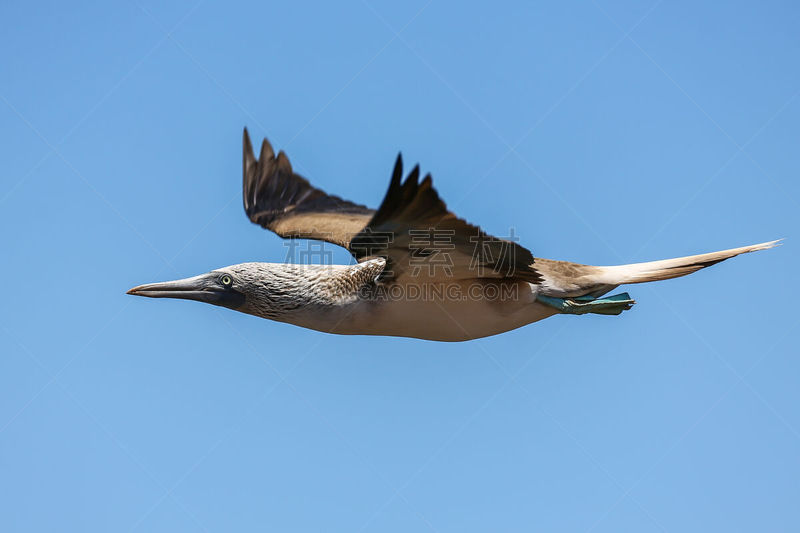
(457, 313)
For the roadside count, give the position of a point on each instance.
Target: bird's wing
(281, 201)
(412, 229)
(420, 238)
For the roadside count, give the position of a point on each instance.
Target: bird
(419, 270)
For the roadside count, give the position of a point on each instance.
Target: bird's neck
(289, 293)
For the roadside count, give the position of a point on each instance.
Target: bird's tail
(672, 268)
(576, 289)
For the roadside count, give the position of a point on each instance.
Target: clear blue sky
(602, 132)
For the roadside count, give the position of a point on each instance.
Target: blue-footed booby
(420, 271)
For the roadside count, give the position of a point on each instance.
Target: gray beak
(203, 288)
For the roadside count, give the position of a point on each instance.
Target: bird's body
(346, 299)
(421, 271)
(458, 318)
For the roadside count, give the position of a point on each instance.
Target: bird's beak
(189, 289)
(202, 288)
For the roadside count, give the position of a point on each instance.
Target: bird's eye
(226, 280)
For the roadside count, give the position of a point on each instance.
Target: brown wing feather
(413, 225)
(281, 201)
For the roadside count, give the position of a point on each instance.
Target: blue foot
(610, 305)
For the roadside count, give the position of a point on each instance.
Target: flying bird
(419, 271)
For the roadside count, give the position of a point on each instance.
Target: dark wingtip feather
(413, 176)
(266, 152)
(410, 186)
(283, 162)
(247, 149)
(397, 173)
(249, 166)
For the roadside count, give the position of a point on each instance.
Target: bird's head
(226, 287)
(269, 290)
